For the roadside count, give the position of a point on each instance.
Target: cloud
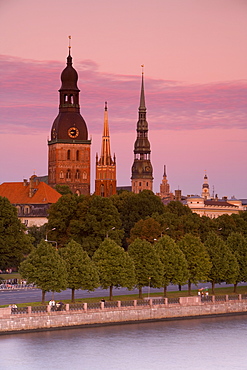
(29, 99)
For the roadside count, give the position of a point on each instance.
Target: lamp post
(50, 241)
(149, 286)
(113, 228)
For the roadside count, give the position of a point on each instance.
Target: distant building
(32, 199)
(105, 179)
(142, 170)
(165, 193)
(213, 208)
(69, 147)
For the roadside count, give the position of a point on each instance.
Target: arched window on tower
(77, 155)
(68, 154)
(61, 175)
(77, 175)
(68, 175)
(102, 190)
(71, 99)
(66, 98)
(84, 176)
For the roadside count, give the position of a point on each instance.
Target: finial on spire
(69, 44)
(142, 68)
(105, 105)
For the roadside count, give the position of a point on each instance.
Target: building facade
(31, 198)
(69, 147)
(142, 170)
(105, 179)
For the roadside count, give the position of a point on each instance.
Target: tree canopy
(224, 264)
(114, 265)
(198, 260)
(238, 245)
(81, 271)
(149, 270)
(14, 242)
(45, 268)
(173, 260)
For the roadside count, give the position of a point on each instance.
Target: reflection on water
(218, 343)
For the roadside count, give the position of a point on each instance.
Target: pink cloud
(29, 99)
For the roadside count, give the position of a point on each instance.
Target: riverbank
(107, 313)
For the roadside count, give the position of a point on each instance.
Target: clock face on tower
(73, 132)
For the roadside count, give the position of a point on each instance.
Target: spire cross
(69, 43)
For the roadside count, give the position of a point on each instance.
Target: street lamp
(50, 241)
(149, 286)
(113, 228)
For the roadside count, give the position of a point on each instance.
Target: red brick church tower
(105, 180)
(69, 147)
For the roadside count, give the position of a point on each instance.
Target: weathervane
(69, 43)
(142, 68)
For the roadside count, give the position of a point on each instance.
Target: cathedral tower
(142, 171)
(105, 180)
(69, 147)
(205, 188)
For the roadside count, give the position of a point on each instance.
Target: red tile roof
(18, 193)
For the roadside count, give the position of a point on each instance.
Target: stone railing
(122, 305)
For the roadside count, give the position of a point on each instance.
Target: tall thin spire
(142, 98)
(142, 171)
(105, 148)
(105, 180)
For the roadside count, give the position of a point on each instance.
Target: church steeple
(69, 147)
(205, 188)
(105, 158)
(105, 180)
(142, 171)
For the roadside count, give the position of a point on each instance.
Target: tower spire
(105, 148)
(142, 171)
(105, 180)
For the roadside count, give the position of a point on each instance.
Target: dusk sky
(195, 57)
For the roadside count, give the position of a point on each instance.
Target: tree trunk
(73, 295)
(140, 292)
(165, 290)
(235, 288)
(43, 297)
(213, 284)
(111, 288)
(189, 287)
(179, 287)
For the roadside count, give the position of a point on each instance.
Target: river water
(210, 343)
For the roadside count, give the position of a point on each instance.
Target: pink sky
(195, 59)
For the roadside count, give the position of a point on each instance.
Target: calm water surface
(210, 344)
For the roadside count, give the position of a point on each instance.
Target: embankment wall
(186, 307)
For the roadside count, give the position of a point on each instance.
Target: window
(84, 176)
(77, 175)
(68, 174)
(77, 155)
(68, 154)
(26, 210)
(61, 175)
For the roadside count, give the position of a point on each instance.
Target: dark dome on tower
(69, 76)
(69, 125)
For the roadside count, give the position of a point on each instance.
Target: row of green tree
(124, 217)
(144, 264)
